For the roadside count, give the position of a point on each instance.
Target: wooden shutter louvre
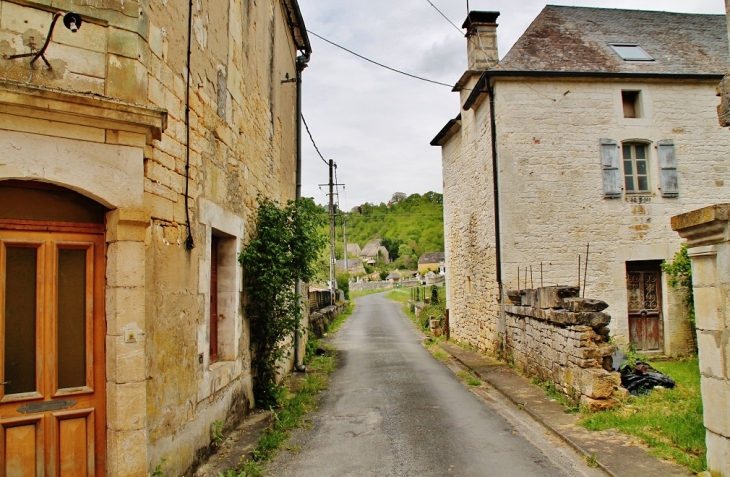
(668, 168)
(611, 172)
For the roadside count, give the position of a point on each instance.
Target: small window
(214, 259)
(631, 52)
(636, 168)
(632, 104)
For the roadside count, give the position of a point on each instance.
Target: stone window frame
(644, 97)
(229, 228)
(633, 143)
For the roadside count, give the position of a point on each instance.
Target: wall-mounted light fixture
(72, 22)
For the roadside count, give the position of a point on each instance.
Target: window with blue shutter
(668, 168)
(611, 171)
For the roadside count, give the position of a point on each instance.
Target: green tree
(284, 249)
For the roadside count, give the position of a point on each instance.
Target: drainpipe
(189, 241)
(495, 181)
(301, 61)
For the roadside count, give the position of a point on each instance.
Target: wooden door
(52, 401)
(646, 321)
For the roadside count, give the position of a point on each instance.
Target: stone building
(121, 215)
(595, 128)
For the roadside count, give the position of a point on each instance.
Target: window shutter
(668, 168)
(611, 172)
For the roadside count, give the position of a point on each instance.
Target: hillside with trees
(409, 226)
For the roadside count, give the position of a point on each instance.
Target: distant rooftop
(584, 39)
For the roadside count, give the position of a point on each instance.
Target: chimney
(481, 35)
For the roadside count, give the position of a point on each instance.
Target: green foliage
(668, 420)
(343, 283)
(158, 472)
(434, 295)
(383, 273)
(415, 221)
(216, 432)
(679, 272)
(283, 251)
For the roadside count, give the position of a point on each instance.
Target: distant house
(434, 261)
(393, 277)
(373, 252)
(353, 250)
(354, 265)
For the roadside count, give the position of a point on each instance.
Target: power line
(380, 64)
(312, 139)
(447, 18)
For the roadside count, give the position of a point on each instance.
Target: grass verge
(668, 420)
(554, 394)
(359, 293)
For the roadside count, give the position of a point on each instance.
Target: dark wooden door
(646, 321)
(52, 400)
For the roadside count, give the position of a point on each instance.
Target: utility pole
(333, 279)
(344, 239)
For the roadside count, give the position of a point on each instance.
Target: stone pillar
(708, 238)
(125, 343)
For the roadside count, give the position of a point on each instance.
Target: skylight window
(631, 52)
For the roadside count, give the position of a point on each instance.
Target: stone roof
(577, 39)
(371, 248)
(433, 257)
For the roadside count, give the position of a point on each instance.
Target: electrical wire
(380, 64)
(313, 143)
(479, 45)
(446, 18)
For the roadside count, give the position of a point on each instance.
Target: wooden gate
(646, 320)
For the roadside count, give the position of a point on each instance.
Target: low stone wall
(553, 335)
(360, 286)
(320, 320)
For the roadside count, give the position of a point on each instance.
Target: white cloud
(377, 124)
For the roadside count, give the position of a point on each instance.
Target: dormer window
(631, 52)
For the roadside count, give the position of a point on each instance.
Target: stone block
(123, 43)
(80, 61)
(595, 405)
(708, 309)
(715, 404)
(124, 307)
(125, 138)
(91, 37)
(552, 297)
(596, 383)
(159, 207)
(710, 350)
(581, 305)
(19, 19)
(126, 406)
(718, 454)
(127, 225)
(125, 362)
(51, 128)
(529, 297)
(126, 79)
(514, 297)
(125, 264)
(126, 453)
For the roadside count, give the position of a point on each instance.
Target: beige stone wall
(472, 293)
(243, 142)
(551, 189)
(707, 234)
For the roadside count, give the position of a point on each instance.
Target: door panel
(55, 281)
(646, 320)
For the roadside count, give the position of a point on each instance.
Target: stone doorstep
(617, 454)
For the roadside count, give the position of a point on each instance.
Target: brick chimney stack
(481, 34)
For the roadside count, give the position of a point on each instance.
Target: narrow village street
(392, 409)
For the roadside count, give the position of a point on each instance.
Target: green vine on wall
(283, 251)
(679, 272)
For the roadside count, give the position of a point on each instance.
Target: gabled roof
(433, 257)
(578, 39)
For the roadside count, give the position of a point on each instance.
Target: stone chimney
(481, 35)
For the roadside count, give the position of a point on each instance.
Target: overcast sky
(377, 124)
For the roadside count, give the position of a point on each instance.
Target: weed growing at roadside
(216, 432)
(591, 460)
(554, 394)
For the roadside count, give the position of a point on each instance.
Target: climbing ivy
(282, 251)
(679, 273)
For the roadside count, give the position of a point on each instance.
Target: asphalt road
(392, 409)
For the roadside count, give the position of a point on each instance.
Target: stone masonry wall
(242, 143)
(556, 337)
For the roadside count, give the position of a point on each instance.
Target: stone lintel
(81, 109)
(704, 226)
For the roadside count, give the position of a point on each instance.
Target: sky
(376, 124)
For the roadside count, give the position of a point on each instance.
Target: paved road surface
(392, 409)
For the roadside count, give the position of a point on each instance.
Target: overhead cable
(380, 64)
(313, 143)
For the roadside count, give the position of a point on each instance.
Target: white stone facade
(551, 190)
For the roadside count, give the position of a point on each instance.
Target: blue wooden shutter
(611, 171)
(668, 168)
